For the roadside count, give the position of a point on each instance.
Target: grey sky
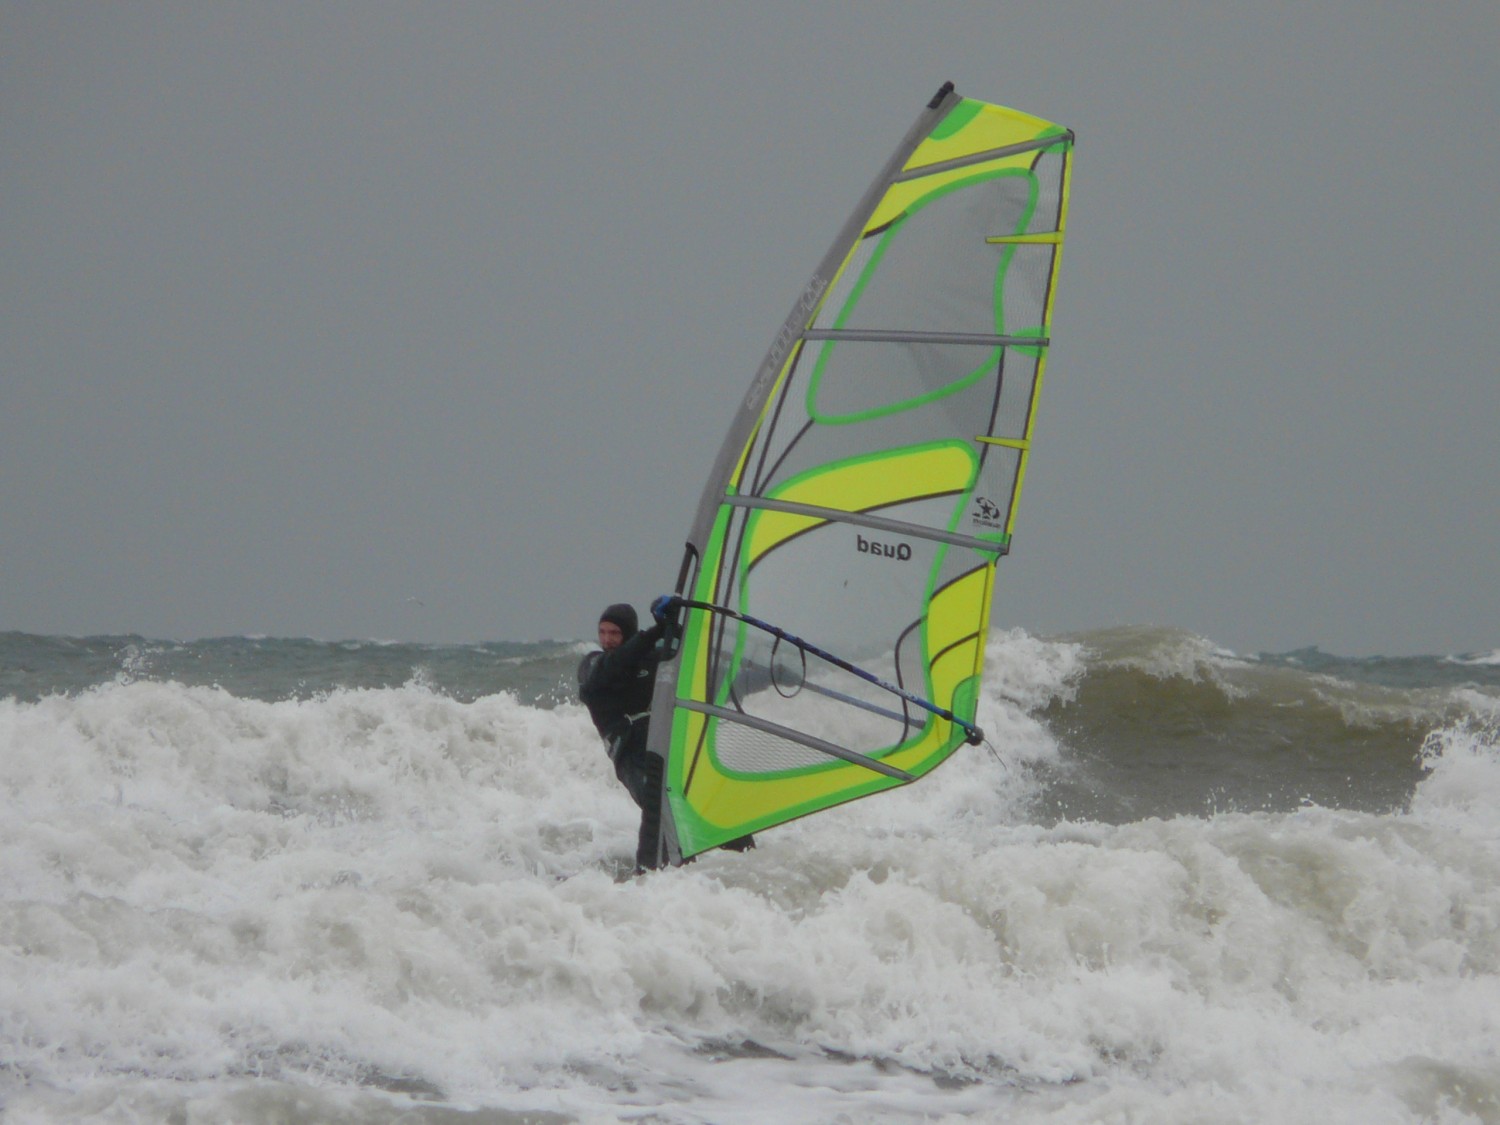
(425, 321)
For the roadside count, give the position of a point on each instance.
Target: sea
(289, 881)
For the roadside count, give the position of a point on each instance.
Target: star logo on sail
(988, 513)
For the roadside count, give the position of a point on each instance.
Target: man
(616, 685)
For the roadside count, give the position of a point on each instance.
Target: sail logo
(901, 551)
(988, 514)
(790, 333)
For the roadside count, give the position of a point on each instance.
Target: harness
(617, 740)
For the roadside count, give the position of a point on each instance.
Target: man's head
(617, 624)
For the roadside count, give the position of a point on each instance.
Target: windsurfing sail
(837, 580)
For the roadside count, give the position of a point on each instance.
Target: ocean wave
(1482, 660)
(387, 900)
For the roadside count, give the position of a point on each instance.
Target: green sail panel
(839, 570)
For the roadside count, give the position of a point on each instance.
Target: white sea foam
(383, 902)
(1487, 659)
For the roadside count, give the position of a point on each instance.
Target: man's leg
(648, 842)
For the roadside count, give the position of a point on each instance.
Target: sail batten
(864, 519)
(866, 490)
(984, 157)
(896, 336)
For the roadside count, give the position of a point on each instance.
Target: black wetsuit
(616, 687)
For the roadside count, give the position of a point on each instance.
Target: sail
(838, 574)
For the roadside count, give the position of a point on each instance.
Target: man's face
(610, 636)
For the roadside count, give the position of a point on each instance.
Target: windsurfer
(616, 685)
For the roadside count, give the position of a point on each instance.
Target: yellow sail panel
(905, 196)
(973, 126)
(839, 572)
(864, 484)
(953, 638)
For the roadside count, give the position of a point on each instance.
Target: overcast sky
(425, 321)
